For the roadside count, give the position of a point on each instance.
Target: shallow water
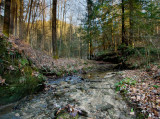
(70, 79)
(93, 92)
(5, 112)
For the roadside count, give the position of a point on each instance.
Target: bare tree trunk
(35, 13)
(0, 12)
(30, 11)
(13, 10)
(29, 16)
(50, 14)
(59, 26)
(64, 23)
(89, 8)
(64, 11)
(16, 17)
(131, 23)
(27, 10)
(123, 25)
(54, 33)
(113, 39)
(21, 20)
(43, 39)
(6, 24)
(70, 37)
(51, 47)
(0, 6)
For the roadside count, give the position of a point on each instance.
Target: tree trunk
(123, 25)
(43, 39)
(70, 38)
(21, 20)
(29, 16)
(54, 33)
(131, 23)
(113, 39)
(28, 28)
(50, 14)
(0, 7)
(13, 10)
(27, 10)
(35, 13)
(89, 8)
(16, 17)
(64, 23)
(6, 24)
(1, 15)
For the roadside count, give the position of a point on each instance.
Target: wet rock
(104, 107)
(52, 115)
(97, 97)
(73, 90)
(50, 106)
(58, 94)
(108, 76)
(17, 115)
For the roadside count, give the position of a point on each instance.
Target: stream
(93, 92)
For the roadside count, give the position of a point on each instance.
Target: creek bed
(93, 92)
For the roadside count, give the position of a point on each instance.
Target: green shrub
(121, 84)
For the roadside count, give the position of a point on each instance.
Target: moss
(17, 70)
(65, 115)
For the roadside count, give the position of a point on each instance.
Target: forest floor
(48, 65)
(145, 92)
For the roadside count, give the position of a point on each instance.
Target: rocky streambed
(93, 93)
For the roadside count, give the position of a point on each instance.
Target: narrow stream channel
(93, 92)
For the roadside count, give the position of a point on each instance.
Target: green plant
(132, 110)
(156, 86)
(22, 80)
(19, 78)
(121, 85)
(23, 62)
(59, 73)
(75, 71)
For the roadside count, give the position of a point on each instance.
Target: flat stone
(108, 76)
(104, 107)
(17, 114)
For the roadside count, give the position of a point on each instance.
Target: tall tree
(43, 14)
(29, 16)
(16, 17)
(54, 31)
(50, 14)
(6, 24)
(89, 9)
(0, 6)
(0, 12)
(123, 25)
(21, 20)
(131, 22)
(12, 19)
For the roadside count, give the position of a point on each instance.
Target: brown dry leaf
(2, 81)
(138, 98)
(134, 90)
(156, 113)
